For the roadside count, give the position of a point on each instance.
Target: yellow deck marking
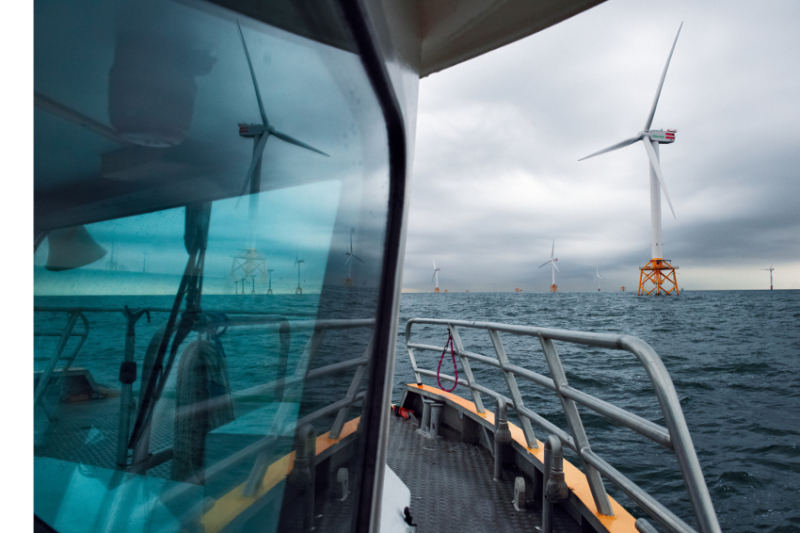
(621, 522)
(232, 504)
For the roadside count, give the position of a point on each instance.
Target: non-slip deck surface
(452, 490)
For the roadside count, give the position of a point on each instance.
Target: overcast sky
(496, 173)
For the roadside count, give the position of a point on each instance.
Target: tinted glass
(206, 273)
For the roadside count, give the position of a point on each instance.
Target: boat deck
(451, 485)
(450, 482)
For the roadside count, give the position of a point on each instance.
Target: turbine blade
(651, 153)
(555, 265)
(661, 83)
(257, 153)
(356, 257)
(292, 140)
(623, 144)
(432, 277)
(553, 250)
(434, 264)
(545, 264)
(348, 259)
(264, 119)
(351, 242)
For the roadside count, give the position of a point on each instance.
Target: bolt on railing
(675, 436)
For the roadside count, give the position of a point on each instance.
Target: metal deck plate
(452, 488)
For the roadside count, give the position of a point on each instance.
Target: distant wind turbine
(770, 275)
(299, 263)
(350, 255)
(597, 278)
(552, 262)
(435, 276)
(651, 139)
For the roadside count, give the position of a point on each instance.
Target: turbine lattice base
(553, 288)
(658, 277)
(436, 290)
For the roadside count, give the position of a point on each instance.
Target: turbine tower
(553, 287)
(435, 276)
(350, 256)
(269, 272)
(249, 263)
(299, 262)
(770, 275)
(597, 278)
(658, 271)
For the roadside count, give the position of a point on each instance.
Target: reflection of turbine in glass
(249, 263)
(350, 255)
(269, 272)
(299, 262)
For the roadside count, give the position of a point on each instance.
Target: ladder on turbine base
(658, 277)
(64, 336)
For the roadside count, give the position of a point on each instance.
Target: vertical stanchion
(502, 438)
(576, 427)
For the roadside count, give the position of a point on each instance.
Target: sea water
(733, 356)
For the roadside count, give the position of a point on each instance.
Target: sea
(733, 356)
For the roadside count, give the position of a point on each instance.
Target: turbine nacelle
(253, 130)
(660, 136)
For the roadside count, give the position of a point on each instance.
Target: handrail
(264, 323)
(675, 436)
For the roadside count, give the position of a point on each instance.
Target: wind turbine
(270, 271)
(651, 139)
(299, 262)
(597, 278)
(553, 287)
(249, 261)
(435, 276)
(770, 275)
(350, 255)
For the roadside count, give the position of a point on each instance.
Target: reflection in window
(202, 330)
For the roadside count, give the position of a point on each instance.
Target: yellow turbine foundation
(658, 277)
(553, 288)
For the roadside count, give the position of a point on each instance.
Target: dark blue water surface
(734, 358)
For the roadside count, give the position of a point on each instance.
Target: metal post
(436, 418)
(576, 427)
(511, 381)
(476, 397)
(502, 438)
(556, 489)
(341, 416)
(127, 376)
(425, 424)
(304, 471)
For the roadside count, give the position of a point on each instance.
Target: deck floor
(452, 490)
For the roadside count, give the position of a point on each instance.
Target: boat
(167, 400)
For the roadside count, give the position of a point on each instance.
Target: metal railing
(290, 386)
(675, 436)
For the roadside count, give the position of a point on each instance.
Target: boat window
(211, 193)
